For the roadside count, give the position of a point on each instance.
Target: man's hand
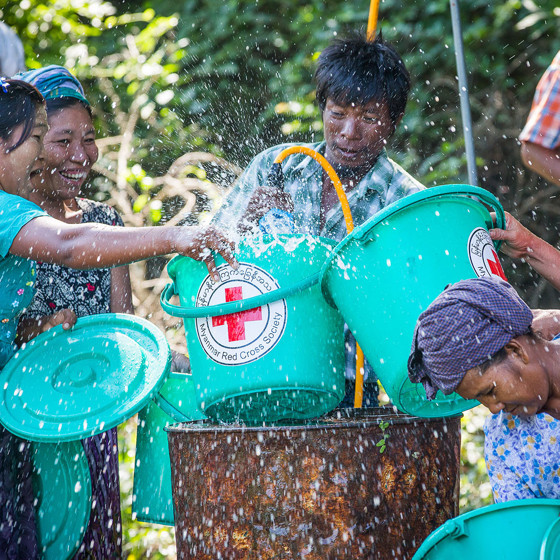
(517, 239)
(261, 202)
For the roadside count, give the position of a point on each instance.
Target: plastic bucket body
(62, 488)
(368, 484)
(516, 530)
(388, 270)
(550, 546)
(264, 345)
(175, 402)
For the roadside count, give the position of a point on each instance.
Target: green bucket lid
(69, 385)
(62, 486)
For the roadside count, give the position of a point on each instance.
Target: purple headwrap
(461, 329)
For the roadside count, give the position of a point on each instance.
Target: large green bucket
(517, 530)
(388, 270)
(264, 345)
(152, 497)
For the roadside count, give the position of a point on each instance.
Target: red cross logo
(496, 267)
(236, 321)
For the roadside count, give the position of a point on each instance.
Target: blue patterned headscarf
(461, 329)
(54, 82)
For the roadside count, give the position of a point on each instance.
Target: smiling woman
(28, 234)
(476, 339)
(70, 153)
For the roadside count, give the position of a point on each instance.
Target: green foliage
(235, 77)
(255, 88)
(382, 443)
(129, 64)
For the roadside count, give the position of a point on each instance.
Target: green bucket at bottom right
(516, 530)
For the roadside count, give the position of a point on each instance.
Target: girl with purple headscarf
(476, 339)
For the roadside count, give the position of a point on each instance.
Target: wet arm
(121, 290)
(85, 246)
(520, 243)
(541, 160)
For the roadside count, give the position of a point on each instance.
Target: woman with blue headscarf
(29, 234)
(70, 153)
(476, 339)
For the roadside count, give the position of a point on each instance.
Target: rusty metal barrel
(369, 483)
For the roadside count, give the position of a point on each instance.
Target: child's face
(356, 134)
(516, 384)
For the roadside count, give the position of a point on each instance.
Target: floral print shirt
(522, 456)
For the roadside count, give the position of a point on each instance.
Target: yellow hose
(359, 392)
(330, 172)
(372, 20)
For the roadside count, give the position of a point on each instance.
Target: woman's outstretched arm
(86, 246)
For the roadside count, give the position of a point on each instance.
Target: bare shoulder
(546, 322)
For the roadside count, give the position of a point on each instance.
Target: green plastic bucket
(152, 497)
(66, 385)
(264, 345)
(62, 488)
(389, 269)
(517, 530)
(550, 546)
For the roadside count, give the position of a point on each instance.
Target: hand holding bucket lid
(68, 385)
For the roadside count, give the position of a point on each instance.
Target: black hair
(60, 103)
(355, 70)
(18, 105)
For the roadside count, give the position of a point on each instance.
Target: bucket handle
(232, 306)
(170, 409)
(477, 192)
